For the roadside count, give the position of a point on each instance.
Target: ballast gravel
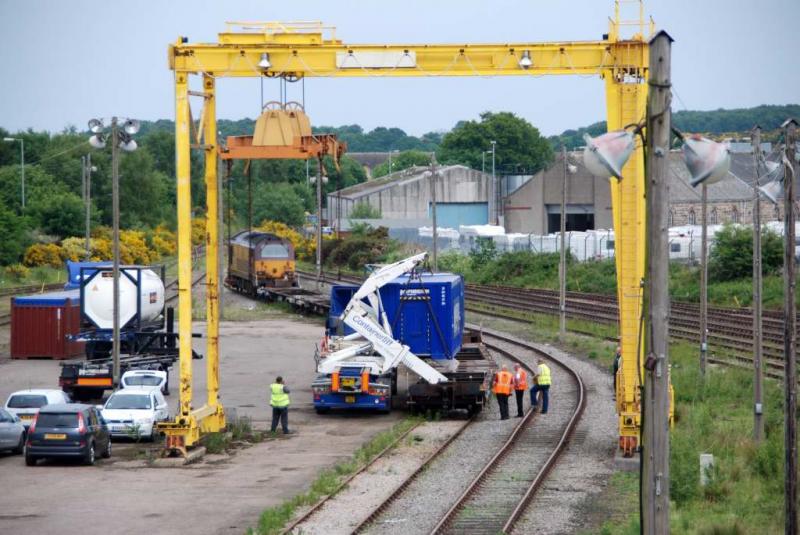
(425, 501)
(342, 513)
(561, 505)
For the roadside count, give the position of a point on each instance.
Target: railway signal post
(790, 327)
(758, 379)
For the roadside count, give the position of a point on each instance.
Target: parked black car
(68, 430)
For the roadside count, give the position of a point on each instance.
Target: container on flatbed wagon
(426, 312)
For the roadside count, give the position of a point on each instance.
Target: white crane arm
(370, 321)
(393, 351)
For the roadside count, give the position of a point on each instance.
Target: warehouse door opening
(579, 218)
(453, 214)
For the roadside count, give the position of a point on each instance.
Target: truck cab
(352, 387)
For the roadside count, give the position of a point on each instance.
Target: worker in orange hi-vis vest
(520, 386)
(503, 383)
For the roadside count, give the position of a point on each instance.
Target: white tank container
(98, 297)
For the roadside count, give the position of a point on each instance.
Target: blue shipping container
(74, 272)
(340, 296)
(428, 317)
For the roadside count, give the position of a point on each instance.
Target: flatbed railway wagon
(259, 260)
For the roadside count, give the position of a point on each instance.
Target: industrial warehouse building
(532, 204)
(404, 198)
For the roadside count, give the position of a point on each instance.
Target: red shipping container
(41, 323)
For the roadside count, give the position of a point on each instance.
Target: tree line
(281, 189)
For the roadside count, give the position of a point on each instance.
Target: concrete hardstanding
(188, 499)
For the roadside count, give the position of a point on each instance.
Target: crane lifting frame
(310, 49)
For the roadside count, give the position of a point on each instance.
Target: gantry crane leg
(184, 431)
(626, 104)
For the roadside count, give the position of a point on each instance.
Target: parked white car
(26, 403)
(133, 412)
(146, 378)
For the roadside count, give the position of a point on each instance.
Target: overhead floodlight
(313, 179)
(571, 169)
(772, 190)
(525, 61)
(97, 141)
(708, 161)
(128, 146)
(95, 126)
(607, 154)
(264, 63)
(130, 126)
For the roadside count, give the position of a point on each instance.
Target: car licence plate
(349, 399)
(26, 416)
(349, 381)
(55, 436)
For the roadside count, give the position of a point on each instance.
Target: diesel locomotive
(260, 260)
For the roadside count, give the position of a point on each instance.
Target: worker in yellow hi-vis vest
(542, 382)
(279, 400)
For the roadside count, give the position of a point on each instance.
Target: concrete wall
(721, 212)
(410, 197)
(526, 208)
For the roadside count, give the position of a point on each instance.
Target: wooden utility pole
(655, 440)
(320, 170)
(115, 221)
(704, 282)
(789, 329)
(562, 264)
(758, 378)
(435, 234)
(88, 252)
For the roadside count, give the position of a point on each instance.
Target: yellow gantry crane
(292, 51)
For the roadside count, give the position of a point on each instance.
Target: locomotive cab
(260, 259)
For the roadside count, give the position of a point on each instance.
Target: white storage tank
(141, 294)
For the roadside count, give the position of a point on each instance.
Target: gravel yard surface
(562, 505)
(342, 513)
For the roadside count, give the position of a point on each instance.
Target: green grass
(37, 275)
(712, 416)
(254, 310)
(241, 430)
(329, 481)
(715, 416)
(530, 270)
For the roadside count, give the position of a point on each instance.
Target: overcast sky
(64, 62)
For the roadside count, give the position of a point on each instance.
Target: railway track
(728, 329)
(498, 496)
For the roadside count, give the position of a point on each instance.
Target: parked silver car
(12, 433)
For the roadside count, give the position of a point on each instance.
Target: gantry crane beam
(295, 50)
